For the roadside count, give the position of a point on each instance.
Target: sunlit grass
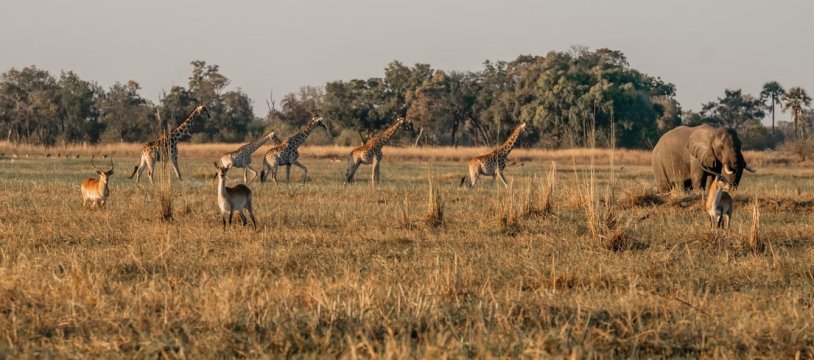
(340, 269)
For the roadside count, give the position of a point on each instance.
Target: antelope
(233, 198)
(96, 191)
(719, 203)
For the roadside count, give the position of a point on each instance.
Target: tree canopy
(569, 99)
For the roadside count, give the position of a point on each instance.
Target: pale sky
(701, 46)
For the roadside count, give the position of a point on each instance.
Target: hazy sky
(702, 46)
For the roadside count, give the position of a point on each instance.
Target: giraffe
(242, 157)
(167, 144)
(493, 163)
(287, 154)
(371, 152)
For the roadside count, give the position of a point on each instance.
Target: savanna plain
(578, 257)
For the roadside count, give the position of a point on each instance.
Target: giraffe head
(318, 120)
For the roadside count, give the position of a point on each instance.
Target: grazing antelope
(233, 198)
(719, 203)
(96, 191)
(493, 163)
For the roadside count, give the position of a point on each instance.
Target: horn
(727, 171)
(749, 169)
(94, 165)
(111, 164)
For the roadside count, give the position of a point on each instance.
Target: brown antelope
(96, 191)
(233, 198)
(719, 203)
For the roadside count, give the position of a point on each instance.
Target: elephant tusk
(749, 169)
(727, 171)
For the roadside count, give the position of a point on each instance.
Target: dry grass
(341, 270)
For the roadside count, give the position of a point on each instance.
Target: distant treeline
(571, 98)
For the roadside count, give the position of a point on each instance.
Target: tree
(773, 92)
(78, 113)
(127, 116)
(734, 110)
(28, 106)
(796, 100)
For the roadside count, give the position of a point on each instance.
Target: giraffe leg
(274, 173)
(502, 179)
(265, 171)
(288, 173)
(150, 167)
(376, 166)
(254, 174)
(139, 169)
(304, 169)
(175, 162)
(474, 173)
(352, 166)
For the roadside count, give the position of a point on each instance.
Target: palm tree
(795, 99)
(772, 91)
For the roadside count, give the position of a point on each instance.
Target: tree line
(569, 99)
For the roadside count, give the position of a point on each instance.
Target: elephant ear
(700, 147)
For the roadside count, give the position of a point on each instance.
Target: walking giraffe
(167, 144)
(287, 154)
(242, 157)
(371, 152)
(493, 163)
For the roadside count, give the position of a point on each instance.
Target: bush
(756, 137)
(348, 138)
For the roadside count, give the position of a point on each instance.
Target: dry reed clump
(540, 203)
(602, 219)
(640, 196)
(508, 215)
(404, 219)
(755, 242)
(435, 206)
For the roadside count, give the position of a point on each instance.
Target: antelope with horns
(719, 203)
(233, 198)
(95, 191)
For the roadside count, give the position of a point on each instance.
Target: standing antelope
(233, 198)
(96, 191)
(719, 203)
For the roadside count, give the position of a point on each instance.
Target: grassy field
(401, 270)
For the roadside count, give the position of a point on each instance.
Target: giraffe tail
(263, 176)
(463, 181)
(134, 172)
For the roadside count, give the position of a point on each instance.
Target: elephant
(686, 156)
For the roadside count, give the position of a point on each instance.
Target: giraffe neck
(508, 145)
(183, 129)
(385, 136)
(252, 146)
(297, 139)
